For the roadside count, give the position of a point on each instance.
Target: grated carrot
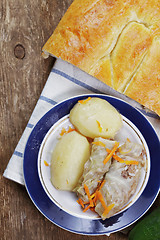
(84, 101)
(95, 198)
(46, 164)
(99, 181)
(94, 195)
(134, 162)
(101, 199)
(88, 207)
(97, 195)
(71, 129)
(106, 208)
(119, 159)
(86, 203)
(88, 195)
(80, 201)
(111, 152)
(99, 126)
(99, 143)
(64, 131)
(102, 183)
(93, 209)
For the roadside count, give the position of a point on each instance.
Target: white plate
(66, 200)
(64, 213)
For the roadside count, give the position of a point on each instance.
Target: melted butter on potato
(68, 158)
(96, 118)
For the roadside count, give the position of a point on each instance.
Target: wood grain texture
(24, 28)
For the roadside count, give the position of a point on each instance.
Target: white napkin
(64, 81)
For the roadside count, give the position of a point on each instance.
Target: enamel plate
(60, 207)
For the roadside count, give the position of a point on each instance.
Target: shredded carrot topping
(119, 159)
(99, 143)
(88, 207)
(93, 209)
(107, 210)
(84, 101)
(99, 126)
(71, 129)
(97, 195)
(111, 152)
(88, 195)
(101, 199)
(46, 164)
(134, 162)
(102, 183)
(95, 198)
(80, 201)
(99, 181)
(94, 195)
(64, 131)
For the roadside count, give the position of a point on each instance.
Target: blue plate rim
(95, 225)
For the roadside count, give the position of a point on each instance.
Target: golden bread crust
(111, 40)
(147, 78)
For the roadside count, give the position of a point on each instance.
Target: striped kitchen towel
(64, 81)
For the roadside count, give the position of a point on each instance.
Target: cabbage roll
(94, 168)
(122, 179)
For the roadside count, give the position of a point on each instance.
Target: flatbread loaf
(117, 41)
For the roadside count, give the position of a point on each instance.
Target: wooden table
(25, 27)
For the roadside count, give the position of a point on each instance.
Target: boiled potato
(68, 158)
(95, 117)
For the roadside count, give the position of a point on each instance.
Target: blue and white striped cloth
(64, 81)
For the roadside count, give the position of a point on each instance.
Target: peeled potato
(96, 117)
(68, 158)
